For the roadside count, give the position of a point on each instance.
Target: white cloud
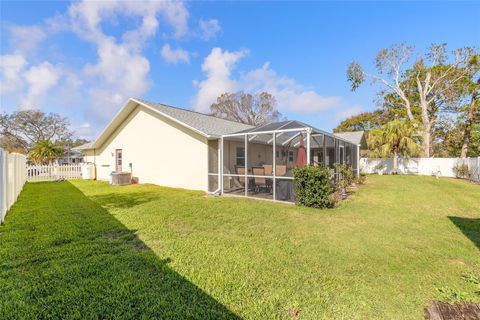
(87, 17)
(84, 131)
(122, 70)
(11, 68)
(26, 85)
(24, 39)
(209, 28)
(217, 67)
(175, 56)
(290, 95)
(40, 79)
(118, 75)
(348, 112)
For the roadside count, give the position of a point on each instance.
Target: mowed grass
(90, 250)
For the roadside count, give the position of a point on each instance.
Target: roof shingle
(205, 123)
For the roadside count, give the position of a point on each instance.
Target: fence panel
(12, 179)
(474, 166)
(422, 166)
(37, 173)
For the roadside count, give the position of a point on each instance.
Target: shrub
(334, 199)
(461, 171)
(346, 177)
(361, 178)
(312, 188)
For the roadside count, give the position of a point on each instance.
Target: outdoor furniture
(284, 190)
(269, 172)
(268, 169)
(259, 182)
(280, 170)
(239, 182)
(240, 170)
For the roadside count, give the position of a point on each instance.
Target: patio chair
(280, 170)
(259, 182)
(240, 170)
(269, 172)
(268, 169)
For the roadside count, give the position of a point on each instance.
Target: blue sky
(84, 59)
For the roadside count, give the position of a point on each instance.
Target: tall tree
(256, 110)
(365, 121)
(426, 84)
(473, 117)
(395, 138)
(27, 128)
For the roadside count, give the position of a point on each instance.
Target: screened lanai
(259, 162)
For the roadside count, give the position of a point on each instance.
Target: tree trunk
(427, 131)
(426, 142)
(395, 162)
(468, 126)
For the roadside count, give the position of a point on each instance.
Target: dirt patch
(456, 311)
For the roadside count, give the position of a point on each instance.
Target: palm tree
(45, 151)
(397, 137)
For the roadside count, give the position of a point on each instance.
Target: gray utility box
(121, 178)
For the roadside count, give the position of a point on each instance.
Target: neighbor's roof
(356, 137)
(84, 146)
(203, 124)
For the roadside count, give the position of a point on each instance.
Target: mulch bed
(457, 311)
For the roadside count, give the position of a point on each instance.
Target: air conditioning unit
(121, 178)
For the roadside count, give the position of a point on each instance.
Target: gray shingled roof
(356, 137)
(207, 124)
(84, 146)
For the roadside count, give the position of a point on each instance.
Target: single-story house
(356, 137)
(180, 148)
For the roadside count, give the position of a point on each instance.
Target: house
(356, 137)
(180, 148)
(70, 157)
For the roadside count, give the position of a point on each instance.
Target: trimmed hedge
(312, 186)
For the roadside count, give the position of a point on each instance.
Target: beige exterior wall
(160, 151)
(258, 154)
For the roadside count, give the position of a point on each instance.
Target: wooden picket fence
(53, 172)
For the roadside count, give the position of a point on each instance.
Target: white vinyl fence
(53, 172)
(422, 166)
(12, 179)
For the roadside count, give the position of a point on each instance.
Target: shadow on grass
(470, 227)
(80, 262)
(122, 200)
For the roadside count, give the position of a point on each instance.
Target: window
(240, 156)
(290, 156)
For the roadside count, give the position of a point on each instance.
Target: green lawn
(90, 250)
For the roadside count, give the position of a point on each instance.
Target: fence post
(3, 207)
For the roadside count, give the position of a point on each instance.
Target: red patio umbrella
(301, 156)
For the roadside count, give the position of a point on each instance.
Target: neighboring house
(179, 148)
(357, 137)
(71, 157)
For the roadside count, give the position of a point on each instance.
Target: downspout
(358, 160)
(95, 162)
(309, 131)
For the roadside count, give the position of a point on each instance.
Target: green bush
(461, 171)
(312, 188)
(346, 177)
(361, 179)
